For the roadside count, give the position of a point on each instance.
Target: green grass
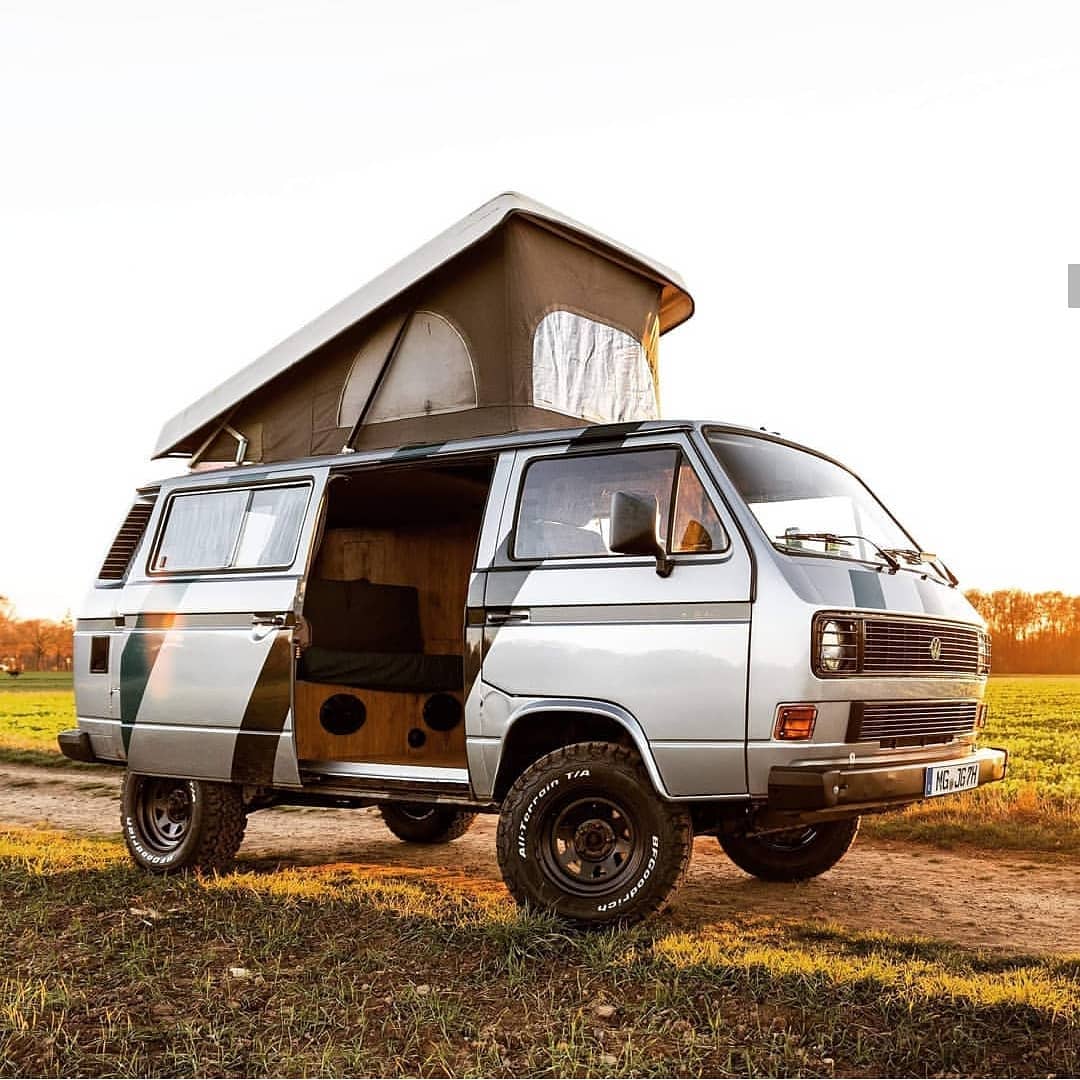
(34, 708)
(34, 682)
(341, 970)
(1036, 718)
(1037, 807)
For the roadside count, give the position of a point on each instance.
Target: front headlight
(838, 646)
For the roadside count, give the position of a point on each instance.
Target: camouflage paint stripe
(474, 630)
(866, 588)
(601, 432)
(136, 663)
(255, 750)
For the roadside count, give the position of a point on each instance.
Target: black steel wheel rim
(416, 811)
(790, 840)
(589, 844)
(165, 812)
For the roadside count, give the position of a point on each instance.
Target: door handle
(268, 620)
(502, 618)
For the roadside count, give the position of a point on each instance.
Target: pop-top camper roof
(515, 318)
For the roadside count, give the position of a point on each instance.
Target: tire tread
(454, 824)
(768, 865)
(569, 757)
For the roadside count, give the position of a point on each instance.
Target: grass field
(1036, 718)
(33, 709)
(343, 970)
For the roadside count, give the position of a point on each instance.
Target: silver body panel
(692, 666)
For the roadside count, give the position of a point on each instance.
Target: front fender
(487, 758)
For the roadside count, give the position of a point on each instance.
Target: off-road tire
(778, 857)
(426, 823)
(605, 788)
(210, 838)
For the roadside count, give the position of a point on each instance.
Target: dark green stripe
(866, 588)
(136, 662)
(267, 709)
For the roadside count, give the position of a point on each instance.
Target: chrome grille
(892, 646)
(913, 722)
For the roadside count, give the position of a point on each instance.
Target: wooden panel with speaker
(343, 723)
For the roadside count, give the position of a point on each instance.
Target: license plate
(949, 779)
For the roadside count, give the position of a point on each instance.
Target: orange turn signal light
(980, 716)
(795, 721)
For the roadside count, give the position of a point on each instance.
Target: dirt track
(1005, 903)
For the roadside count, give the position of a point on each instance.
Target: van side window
(565, 506)
(566, 501)
(245, 529)
(697, 525)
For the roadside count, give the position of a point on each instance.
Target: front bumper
(868, 786)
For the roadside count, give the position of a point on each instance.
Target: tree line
(34, 644)
(1032, 633)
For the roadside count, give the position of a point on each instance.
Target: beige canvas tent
(516, 318)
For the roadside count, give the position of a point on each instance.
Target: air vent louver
(127, 540)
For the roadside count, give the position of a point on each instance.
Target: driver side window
(565, 506)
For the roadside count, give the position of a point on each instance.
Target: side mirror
(635, 524)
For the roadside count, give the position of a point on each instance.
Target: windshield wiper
(847, 540)
(917, 558)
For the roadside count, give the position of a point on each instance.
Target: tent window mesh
(430, 372)
(590, 369)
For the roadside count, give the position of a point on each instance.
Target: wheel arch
(568, 721)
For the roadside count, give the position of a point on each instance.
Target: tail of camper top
(615, 638)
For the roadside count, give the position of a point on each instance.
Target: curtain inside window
(589, 369)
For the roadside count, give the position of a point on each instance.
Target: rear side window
(236, 529)
(565, 507)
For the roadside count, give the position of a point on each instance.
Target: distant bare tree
(37, 644)
(1033, 633)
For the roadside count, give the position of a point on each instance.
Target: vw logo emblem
(935, 648)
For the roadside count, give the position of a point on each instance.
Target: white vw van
(614, 635)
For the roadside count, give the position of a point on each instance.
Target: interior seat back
(359, 616)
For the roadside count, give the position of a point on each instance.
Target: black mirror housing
(635, 528)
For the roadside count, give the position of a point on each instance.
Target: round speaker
(416, 738)
(342, 714)
(442, 712)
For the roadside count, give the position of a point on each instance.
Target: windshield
(793, 492)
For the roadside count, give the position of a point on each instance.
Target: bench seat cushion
(417, 672)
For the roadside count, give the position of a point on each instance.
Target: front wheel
(794, 854)
(582, 834)
(426, 823)
(172, 825)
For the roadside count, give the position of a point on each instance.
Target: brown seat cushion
(382, 671)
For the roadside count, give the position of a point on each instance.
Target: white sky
(874, 206)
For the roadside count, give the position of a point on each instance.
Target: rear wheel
(171, 824)
(583, 834)
(794, 854)
(426, 823)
